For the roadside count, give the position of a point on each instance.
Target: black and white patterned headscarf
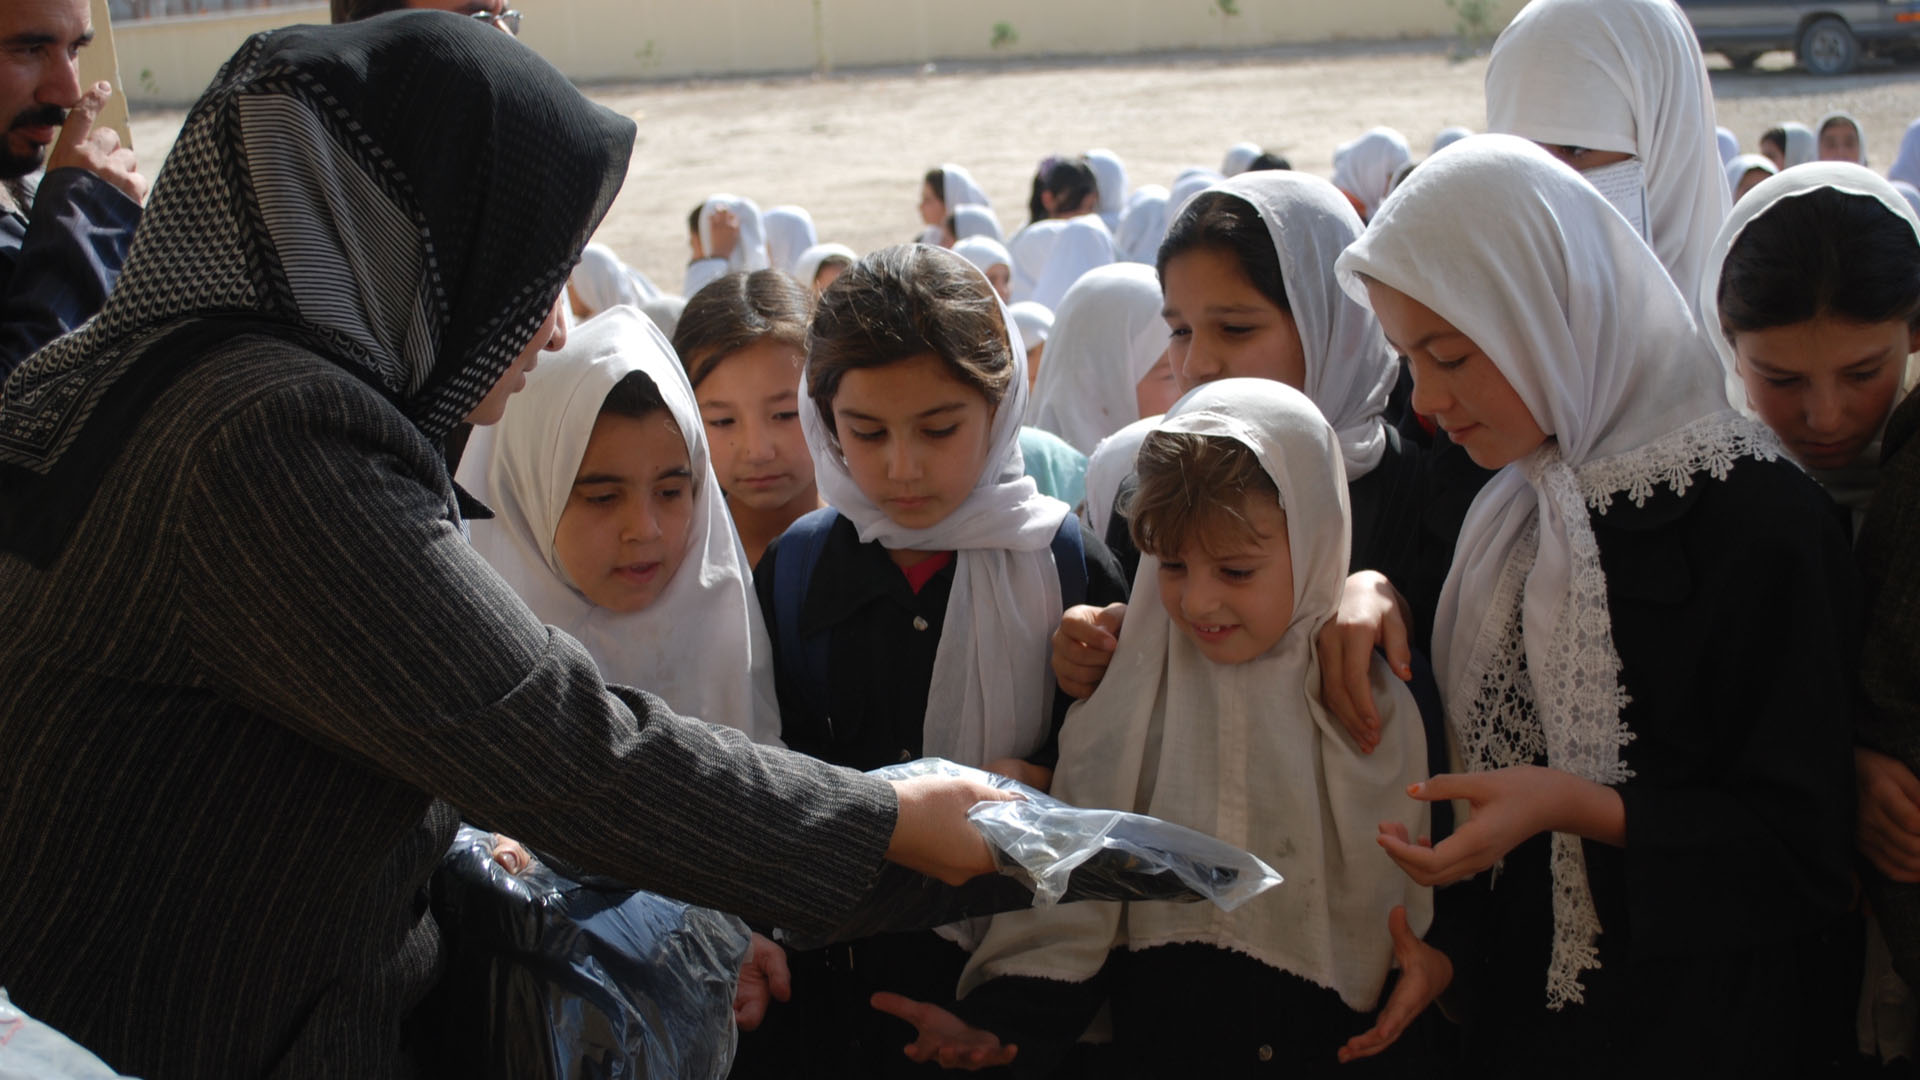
(404, 196)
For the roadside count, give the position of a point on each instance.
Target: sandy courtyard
(851, 148)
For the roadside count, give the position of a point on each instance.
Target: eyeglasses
(508, 20)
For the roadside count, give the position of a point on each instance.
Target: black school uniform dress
(1734, 611)
(884, 636)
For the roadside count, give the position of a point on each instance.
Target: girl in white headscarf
(1192, 180)
(609, 524)
(1067, 251)
(1447, 137)
(1110, 177)
(789, 233)
(1142, 224)
(1729, 144)
(1641, 645)
(1212, 720)
(1364, 168)
(1841, 138)
(971, 220)
(992, 259)
(1035, 324)
(1239, 157)
(602, 281)
(817, 266)
(945, 188)
(1814, 297)
(738, 245)
(1906, 164)
(1746, 170)
(1790, 144)
(1618, 90)
(934, 586)
(1107, 362)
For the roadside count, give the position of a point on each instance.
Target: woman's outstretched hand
(1425, 973)
(945, 1038)
(1508, 807)
(932, 835)
(1372, 614)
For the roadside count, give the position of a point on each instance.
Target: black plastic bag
(550, 977)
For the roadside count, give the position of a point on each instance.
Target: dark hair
(345, 11)
(937, 180)
(1194, 487)
(1837, 119)
(1069, 179)
(906, 301)
(693, 219)
(1775, 135)
(635, 397)
(1223, 221)
(1269, 160)
(736, 311)
(1826, 252)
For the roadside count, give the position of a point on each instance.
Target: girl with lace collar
(1642, 644)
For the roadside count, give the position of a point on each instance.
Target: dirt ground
(851, 148)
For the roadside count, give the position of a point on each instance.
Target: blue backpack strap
(1070, 562)
(805, 655)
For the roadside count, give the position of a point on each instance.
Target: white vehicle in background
(1826, 38)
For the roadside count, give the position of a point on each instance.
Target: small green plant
(1230, 7)
(1004, 36)
(1473, 26)
(148, 83)
(646, 54)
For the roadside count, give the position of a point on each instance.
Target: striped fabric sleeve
(327, 591)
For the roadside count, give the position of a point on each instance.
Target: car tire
(1828, 47)
(1742, 61)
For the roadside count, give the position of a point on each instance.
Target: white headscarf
(602, 281)
(974, 219)
(807, 266)
(1364, 168)
(992, 693)
(984, 252)
(1245, 752)
(1034, 321)
(1107, 333)
(1081, 244)
(701, 645)
(1906, 164)
(1729, 144)
(1239, 158)
(957, 188)
(1143, 224)
(1508, 245)
(1837, 116)
(1741, 165)
(789, 233)
(1448, 136)
(1108, 467)
(1803, 144)
(1350, 367)
(1908, 192)
(1625, 76)
(665, 312)
(1110, 176)
(1852, 488)
(1192, 181)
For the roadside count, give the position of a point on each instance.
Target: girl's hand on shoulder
(1372, 614)
(1509, 806)
(945, 1038)
(1425, 973)
(1888, 827)
(1084, 646)
(764, 979)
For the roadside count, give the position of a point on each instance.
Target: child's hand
(1425, 973)
(1084, 646)
(508, 852)
(944, 1037)
(1037, 777)
(723, 230)
(1372, 613)
(1509, 806)
(763, 980)
(1888, 830)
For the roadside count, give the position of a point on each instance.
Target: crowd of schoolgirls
(1618, 472)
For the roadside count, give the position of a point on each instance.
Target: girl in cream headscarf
(1641, 644)
(610, 526)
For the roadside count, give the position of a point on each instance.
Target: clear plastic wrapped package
(575, 978)
(1064, 852)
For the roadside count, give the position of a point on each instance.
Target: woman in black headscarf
(250, 665)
